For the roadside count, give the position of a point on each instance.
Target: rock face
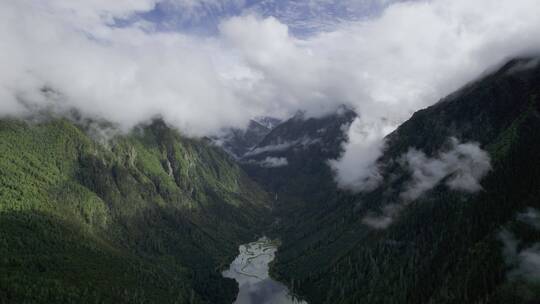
(474, 156)
(237, 142)
(150, 217)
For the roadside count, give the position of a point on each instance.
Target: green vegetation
(151, 217)
(444, 247)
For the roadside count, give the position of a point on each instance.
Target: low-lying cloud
(524, 260)
(384, 219)
(531, 217)
(273, 162)
(270, 148)
(462, 167)
(357, 170)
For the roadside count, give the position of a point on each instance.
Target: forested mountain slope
(152, 216)
(423, 236)
(291, 163)
(148, 217)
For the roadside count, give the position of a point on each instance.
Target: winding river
(250, 270)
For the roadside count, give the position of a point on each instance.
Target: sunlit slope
(148, 217)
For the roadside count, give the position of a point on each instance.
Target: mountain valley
(153, 216)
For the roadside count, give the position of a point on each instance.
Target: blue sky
(303, 17)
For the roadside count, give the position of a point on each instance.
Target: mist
(461, 168)
(523, 258)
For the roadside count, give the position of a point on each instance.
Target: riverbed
(250, 270)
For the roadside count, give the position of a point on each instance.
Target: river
(250, 270)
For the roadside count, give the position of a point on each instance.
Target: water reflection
(250, 270)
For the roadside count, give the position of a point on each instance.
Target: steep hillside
(291, 162)
(455, 241)
(149, 217)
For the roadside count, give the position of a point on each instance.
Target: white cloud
(282, 145)
(270, 148)
(529, 263)
(384, 220)
(463, 166)
(385, 67)
(531, 216)
(524, 260)
(274, 162)
(356, 170)
(124, 75)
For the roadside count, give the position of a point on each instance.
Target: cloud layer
(461, 168)
(387, 66)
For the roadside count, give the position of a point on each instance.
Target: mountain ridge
(238, 142)
(153, 216)
(450, 230)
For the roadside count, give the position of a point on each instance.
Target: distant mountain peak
(267, 121)
(237, 142)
